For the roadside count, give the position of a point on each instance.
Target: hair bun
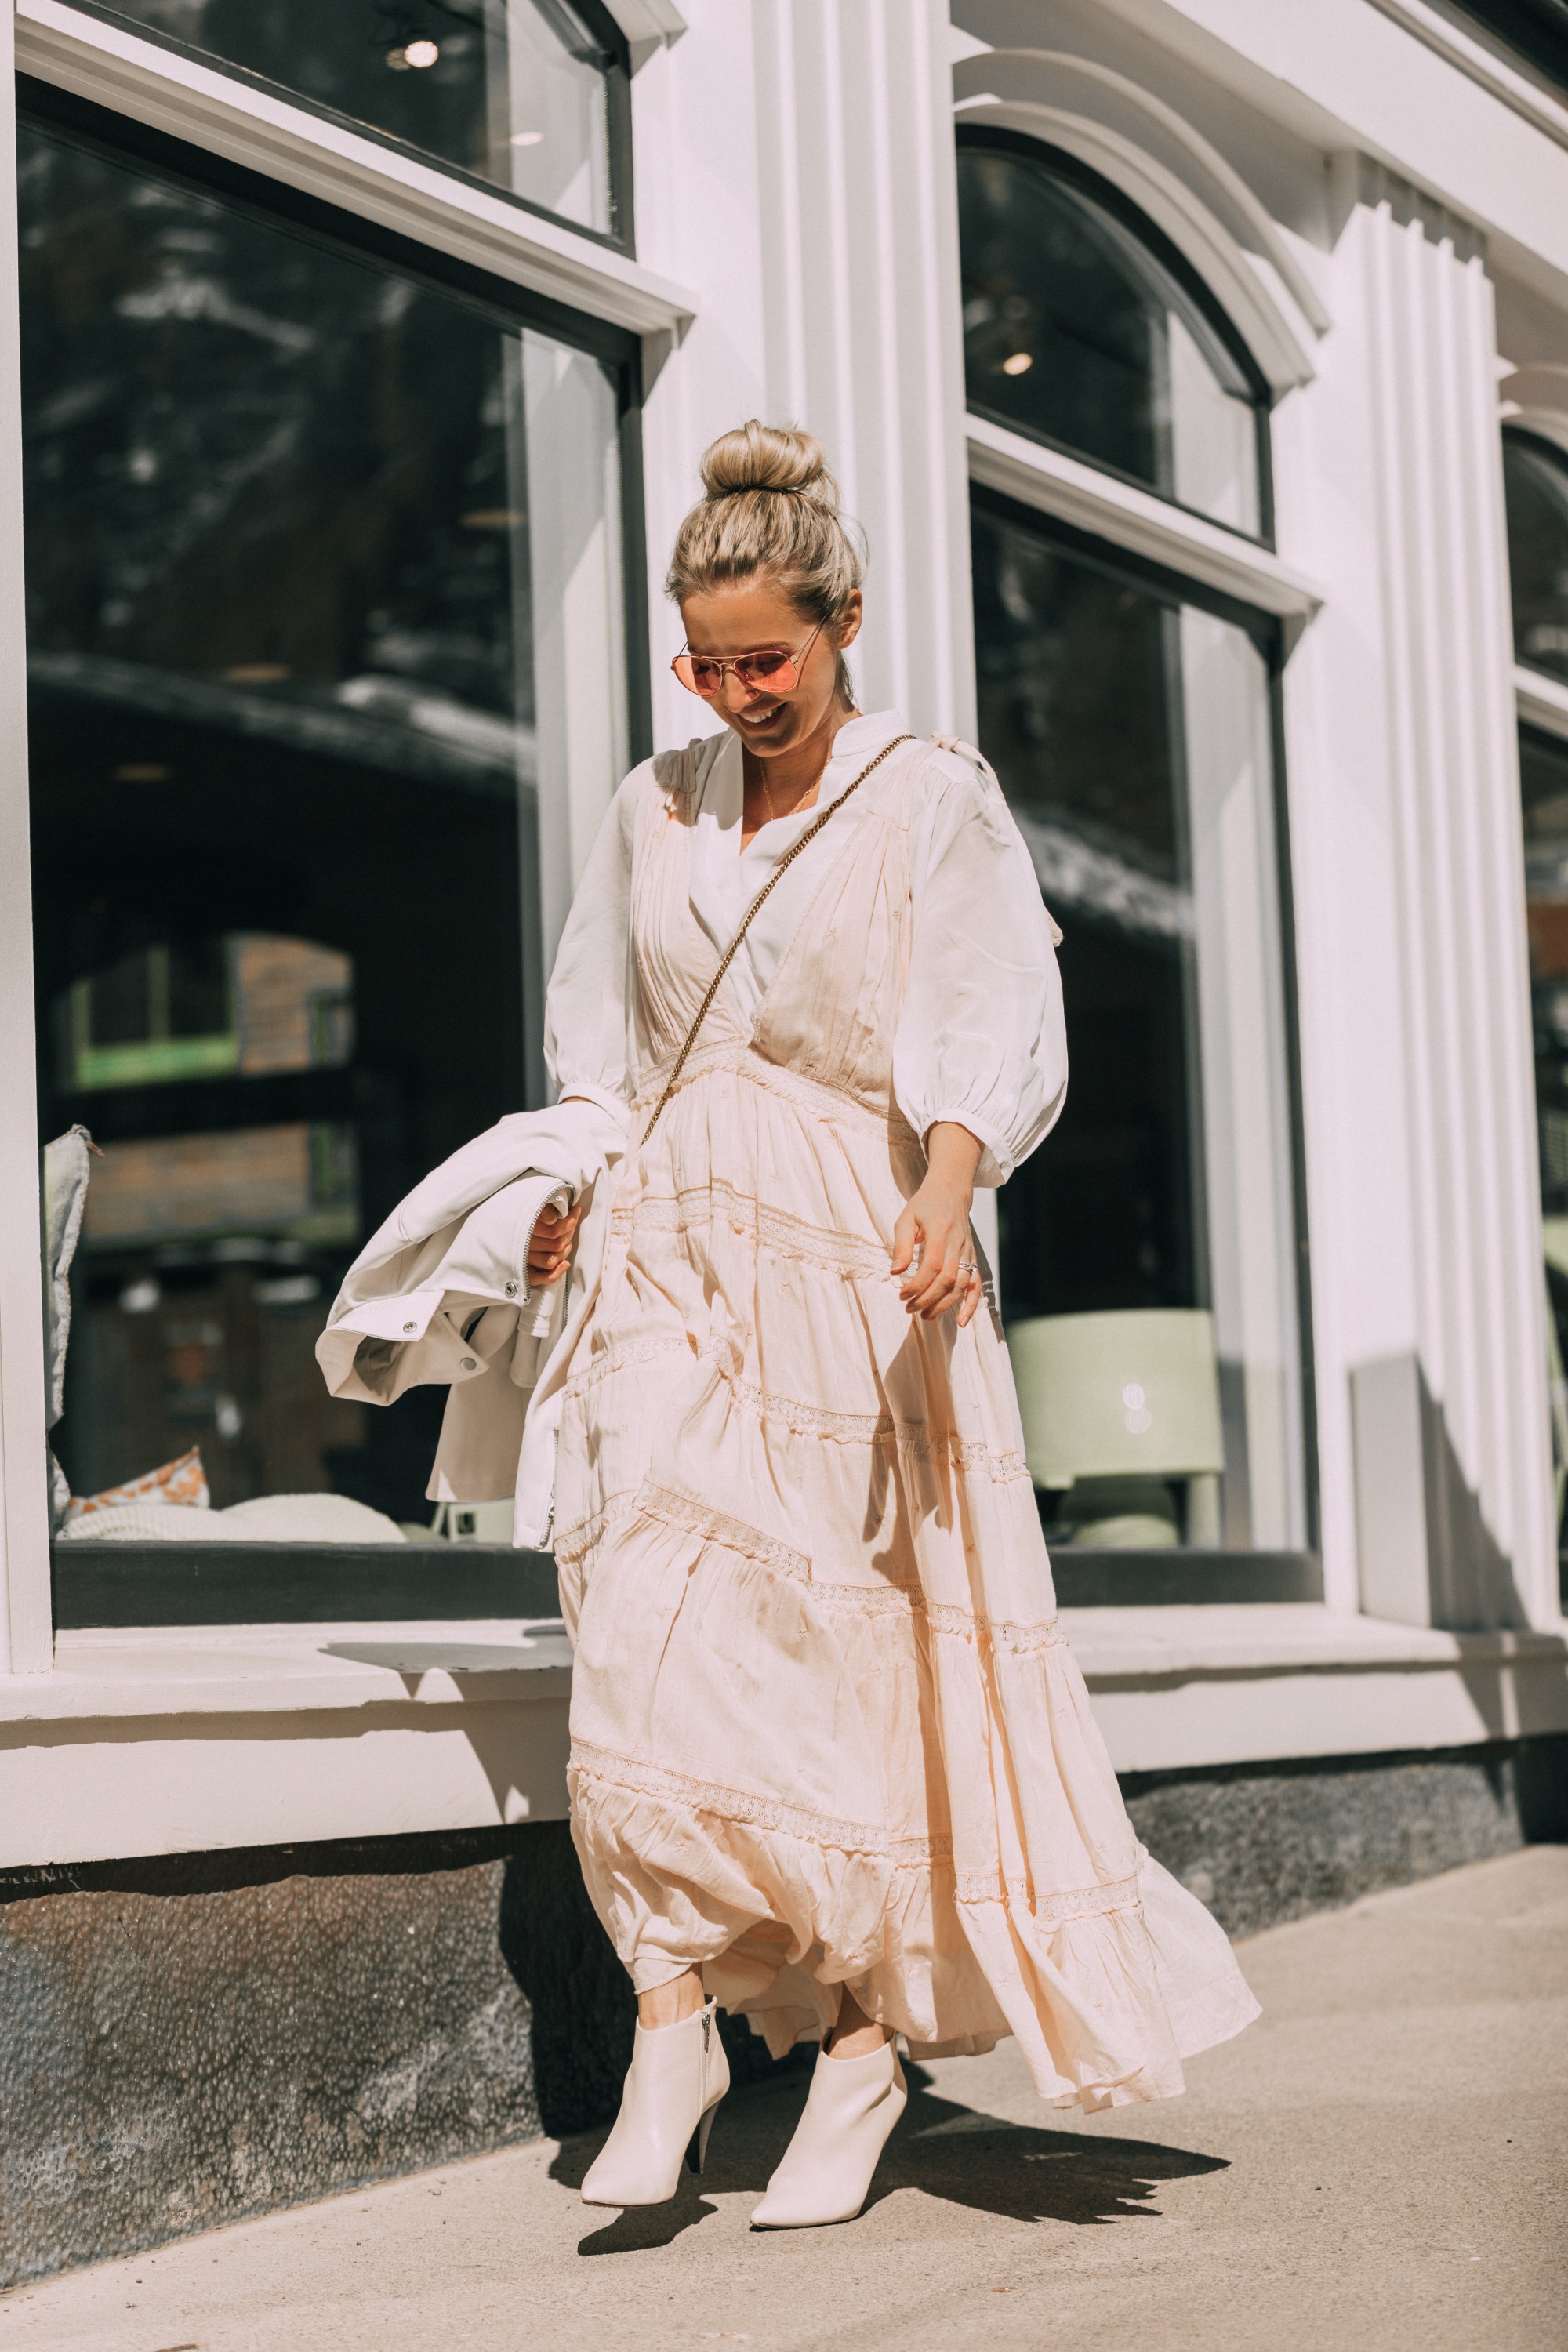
(769, 458)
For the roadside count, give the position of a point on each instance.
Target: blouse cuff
(995, 1159)
(613, 1105)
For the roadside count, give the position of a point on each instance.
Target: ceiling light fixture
(1019, 364)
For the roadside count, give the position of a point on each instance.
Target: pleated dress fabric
(825, 1729)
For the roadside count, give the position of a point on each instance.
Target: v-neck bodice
(820, 989)
(725, 879)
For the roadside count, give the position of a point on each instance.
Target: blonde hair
(770, 505)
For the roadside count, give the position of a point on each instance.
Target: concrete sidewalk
(1379, 2163)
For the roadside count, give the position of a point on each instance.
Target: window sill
(318, 1668)
(170, 1739)
(301, 1669)
(1074, 492)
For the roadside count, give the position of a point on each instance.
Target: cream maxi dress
(825, 1729)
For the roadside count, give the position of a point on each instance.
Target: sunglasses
(772, 670)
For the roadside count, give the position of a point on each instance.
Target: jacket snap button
(411, 1327)
(512, 1290)
(467, 1364)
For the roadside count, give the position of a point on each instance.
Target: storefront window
(1130, 729)
(531, 95)
(1535, 476)
(1081, 332)
(290, 519)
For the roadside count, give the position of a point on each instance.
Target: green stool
(1113, 1405)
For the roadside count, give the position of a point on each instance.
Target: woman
(833, 1766)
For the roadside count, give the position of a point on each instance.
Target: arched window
(1128, 708)
(1083, 326)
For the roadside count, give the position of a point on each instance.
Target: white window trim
(1467, 53)
(25, 1616)
(1074, 492)
(206, 108)
(1543, 701)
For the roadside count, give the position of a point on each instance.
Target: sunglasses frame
(795, 663)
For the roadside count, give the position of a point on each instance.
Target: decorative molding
(1543, 701)
(1184, 185)
(1073, 492)
(1477, 63)
(328, 158)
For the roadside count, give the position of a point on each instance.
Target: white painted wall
(795, 171)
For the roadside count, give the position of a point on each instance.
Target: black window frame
(98, 1584)
(619, 237)
(1267, 633)
(979, 137)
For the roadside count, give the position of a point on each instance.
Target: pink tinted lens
(698, 676)
(772, 672)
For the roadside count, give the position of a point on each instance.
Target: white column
(807, 190)
(859, 219)
(25, 1622)
(1425, 1204)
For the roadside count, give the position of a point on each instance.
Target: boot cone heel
(697, 2153)
(851, 2111)
(679, 2073)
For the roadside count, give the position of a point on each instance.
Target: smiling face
(748, 616)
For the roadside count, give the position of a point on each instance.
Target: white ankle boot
(850, 2109)
(679, 2073)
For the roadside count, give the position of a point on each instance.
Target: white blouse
(981, 1039)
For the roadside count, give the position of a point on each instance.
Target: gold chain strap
(774, 878)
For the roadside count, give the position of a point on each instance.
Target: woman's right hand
(549, 1243)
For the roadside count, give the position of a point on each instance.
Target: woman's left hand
(936, 1222)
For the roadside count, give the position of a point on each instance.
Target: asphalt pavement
(1378, 2166)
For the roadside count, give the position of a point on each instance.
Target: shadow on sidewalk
(1018, 2170)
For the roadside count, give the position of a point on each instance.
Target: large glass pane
(1074, 332)
(520, 92)
(290, 519)
(1535, 476)
(1132, 736)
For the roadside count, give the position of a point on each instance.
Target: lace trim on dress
(621, 1359)
(590, 1763)
(912, 1439)
(815, 1097)
(1018, 1641)
(717, 1527)
(1079, 1903)
(701, 1206)
(588, 1535)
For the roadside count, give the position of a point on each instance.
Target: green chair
(1115, 1405)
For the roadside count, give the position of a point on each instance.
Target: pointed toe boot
(679, 2073)
(850, 2110)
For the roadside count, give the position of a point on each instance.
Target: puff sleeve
(981, 1039)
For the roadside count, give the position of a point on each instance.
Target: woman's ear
(847, 628)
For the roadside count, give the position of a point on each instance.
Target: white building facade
(1198, 372)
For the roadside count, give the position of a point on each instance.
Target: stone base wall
(197, 2038)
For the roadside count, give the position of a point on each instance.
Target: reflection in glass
(1543, 772)
(290, 520)
(519, 92)
(1535, 474)
(1132, 735)
(1076, 333)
